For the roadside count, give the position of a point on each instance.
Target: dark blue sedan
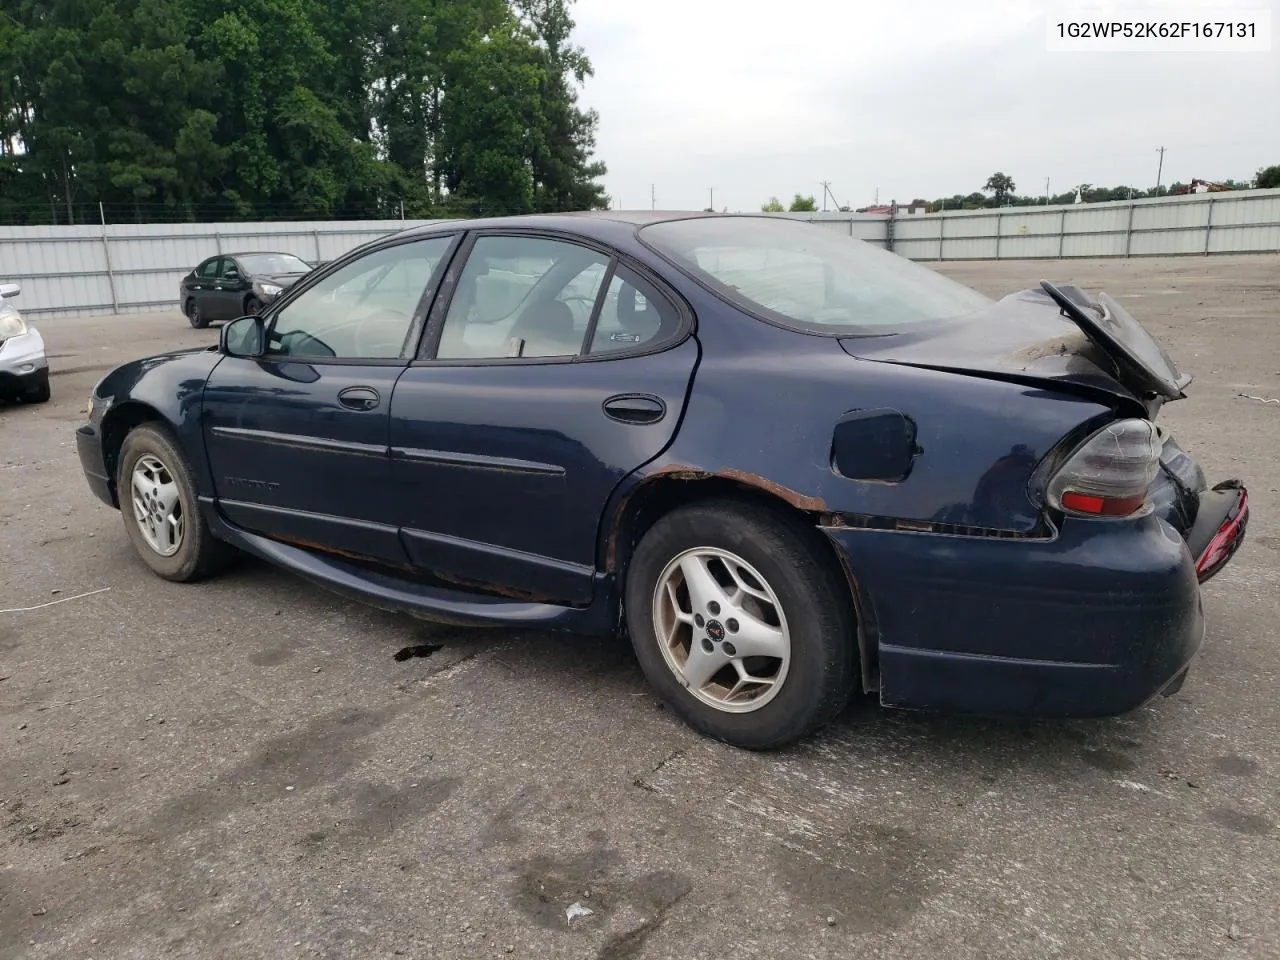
(788, 464)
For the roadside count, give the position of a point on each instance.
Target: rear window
(807, 277)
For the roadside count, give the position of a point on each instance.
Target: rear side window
(522, 297)
(209, 268)
(808, 278)
(633, 314)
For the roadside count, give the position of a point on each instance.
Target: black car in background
(237, 284)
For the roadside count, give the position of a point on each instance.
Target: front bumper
(23, 364)
(93, 463)
(1094, 622)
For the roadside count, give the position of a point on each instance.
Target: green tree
(564, 174)
(801, 204)
(1268, 177)
(491, 118)
(1001, 187)
(773, 205)
(262, 108)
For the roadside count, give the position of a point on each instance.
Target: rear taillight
(1109, 474)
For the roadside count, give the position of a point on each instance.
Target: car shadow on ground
(563, 667)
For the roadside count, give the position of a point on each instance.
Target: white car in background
(24, 369)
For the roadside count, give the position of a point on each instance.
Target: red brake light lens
(1101, 506)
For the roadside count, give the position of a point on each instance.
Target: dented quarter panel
(978, 439)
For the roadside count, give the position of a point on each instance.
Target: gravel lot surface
(241, 768)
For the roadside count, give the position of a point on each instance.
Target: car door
(297, 438)
(551, 370)
(231, 288)
(203, 287)
(220, 298)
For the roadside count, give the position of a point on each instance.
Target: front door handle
(635, 408)
(359, 398)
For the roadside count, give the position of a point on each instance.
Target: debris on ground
(41, 606)
(577, 911)
(418, 650)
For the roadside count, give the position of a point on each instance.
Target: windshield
(808, 277)
(272, 264)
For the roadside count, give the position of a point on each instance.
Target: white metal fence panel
(861, 226)
(66, 270)
(132, 267)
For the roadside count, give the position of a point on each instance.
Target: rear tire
(195, 316)
(779, 594)
(157, 495)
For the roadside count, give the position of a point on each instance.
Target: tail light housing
(1110, 473)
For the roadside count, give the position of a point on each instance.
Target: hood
(1054, 335)
(284, 280)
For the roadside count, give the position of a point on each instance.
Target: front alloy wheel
(157, 506)
(160, 507)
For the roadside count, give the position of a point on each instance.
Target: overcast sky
(918, 98)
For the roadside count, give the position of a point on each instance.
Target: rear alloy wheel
(742, 623)
(195, 316)
(160, 510)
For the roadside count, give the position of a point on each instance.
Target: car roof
(260, 253)
(602, 224)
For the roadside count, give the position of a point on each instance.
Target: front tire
(252, 307)
(195, 316)
(39, 392)
(160, 509)
(742, 622)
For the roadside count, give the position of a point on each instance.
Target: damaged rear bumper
(1094, 622)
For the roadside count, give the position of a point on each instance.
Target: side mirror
(8, 290)
(246, 337)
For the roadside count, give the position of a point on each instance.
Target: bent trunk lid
(1055, 335)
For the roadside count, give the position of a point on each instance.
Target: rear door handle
(359, 398)
(635, 408)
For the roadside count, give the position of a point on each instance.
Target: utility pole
(826, 192)
(711, 199)
(1046, 191)
(1159, 169)
(653, 197)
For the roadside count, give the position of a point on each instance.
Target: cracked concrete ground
(242, 768)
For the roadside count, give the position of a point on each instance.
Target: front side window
(363, 310)
(522, 297)
(808, 278)
(228, 270)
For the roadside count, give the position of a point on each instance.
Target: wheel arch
(672, 488)
(116, 425)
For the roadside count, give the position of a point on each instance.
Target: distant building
(908, 209)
